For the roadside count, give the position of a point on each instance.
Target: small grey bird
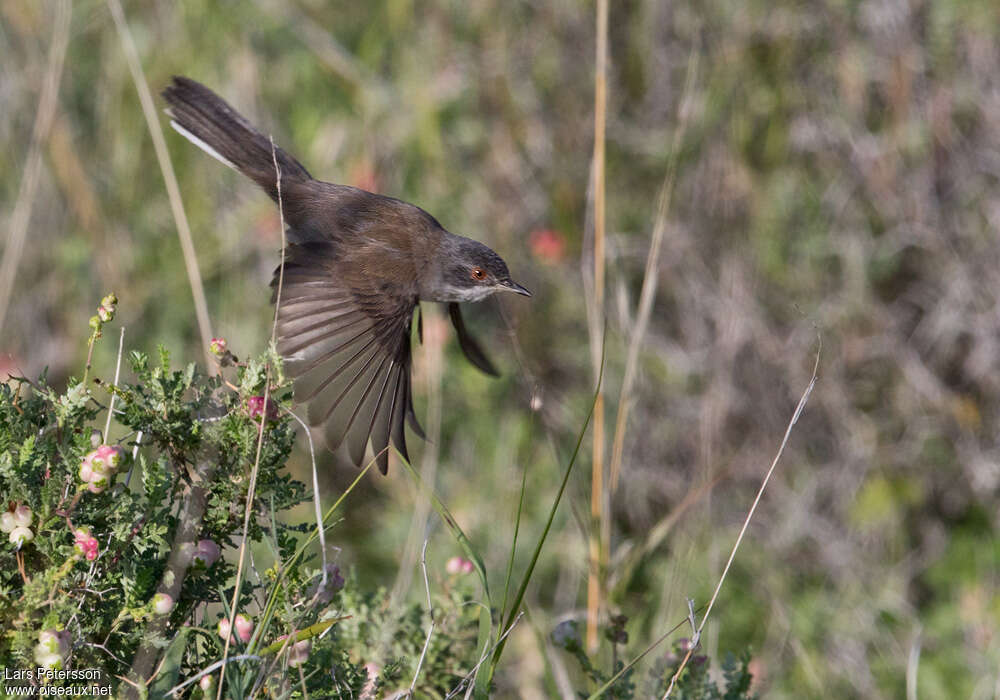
(357, 265)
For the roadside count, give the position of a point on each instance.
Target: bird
(356, 266)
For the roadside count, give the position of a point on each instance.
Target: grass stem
(599, 528)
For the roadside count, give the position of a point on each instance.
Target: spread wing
(345, 339)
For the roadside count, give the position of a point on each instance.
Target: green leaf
(170, 669)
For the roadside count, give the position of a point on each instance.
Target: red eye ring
(478, 273)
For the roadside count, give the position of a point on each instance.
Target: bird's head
(470, 271)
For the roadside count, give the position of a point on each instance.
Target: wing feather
(346, 343)
(384, 418)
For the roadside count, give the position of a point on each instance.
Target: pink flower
(98, 465)
(218, 346)
(85, 544)
(458, 565)
(107, 456)
(255, 407)
(548, 246)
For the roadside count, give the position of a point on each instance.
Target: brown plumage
(356, 267)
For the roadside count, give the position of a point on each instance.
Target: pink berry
(206, 553)
(224, 630)
(7, 521)
(244, 628)
(162, 603)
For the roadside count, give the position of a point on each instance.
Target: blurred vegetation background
(838, 177)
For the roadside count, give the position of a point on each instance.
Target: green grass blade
(513, 545)
(308, 633)
(519, 598)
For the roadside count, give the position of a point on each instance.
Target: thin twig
(118, 367)
(746, 523)
(625, 669)
(430, 613)
(167, 168)
(33, 169)
(284, 240)
(598, 545)
(650, 277)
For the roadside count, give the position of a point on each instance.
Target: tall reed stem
(599, 533)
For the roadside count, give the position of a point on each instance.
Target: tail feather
(210, 123)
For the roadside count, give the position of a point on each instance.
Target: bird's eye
(478, 273)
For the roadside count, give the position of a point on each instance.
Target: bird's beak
(512, 286)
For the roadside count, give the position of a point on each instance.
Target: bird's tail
(210, 123)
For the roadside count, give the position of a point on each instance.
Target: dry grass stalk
(650, 278)
(599, 530)
(33, 170)
(746, 524)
